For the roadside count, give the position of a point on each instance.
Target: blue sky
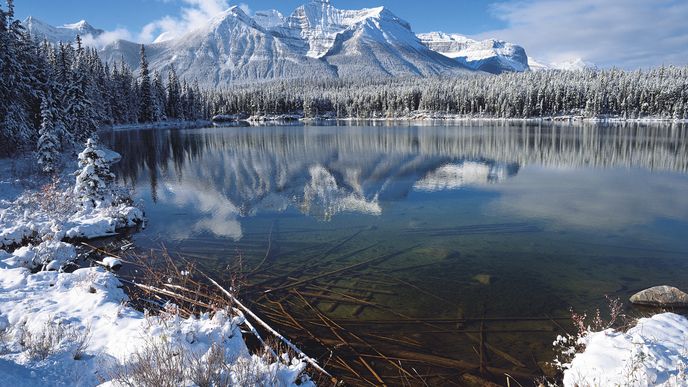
(467, 17)
(609, 33)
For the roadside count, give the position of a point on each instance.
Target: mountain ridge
(317, 40)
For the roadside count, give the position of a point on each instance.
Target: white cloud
(107, 37)
(192, 14)
(244, 7)
(625, 33)
(195, 13)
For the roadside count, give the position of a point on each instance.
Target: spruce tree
(81, 117)
(174, 101)
(146, 108)
(48, 141)
(93, 179)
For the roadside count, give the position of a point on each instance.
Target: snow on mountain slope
(370, 42)
(269, 19)
(577, 64)
(536, 65)
(319, 24)
(65, 33)
(316, 41)
(493, 56)
(231, 47)
(468, 173)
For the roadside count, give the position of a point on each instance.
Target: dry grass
(44, 342)
(210, 369)
(163, 364)
(159, 364)
(79, 338)
(165, 286)
(53, 336)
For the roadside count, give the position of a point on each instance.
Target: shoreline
(431, 117)
(282, 119)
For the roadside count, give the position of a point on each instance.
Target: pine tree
(146, 109)
(80, 113)
(48, 141)
(94, 178)
(174, 102)
(158, 98)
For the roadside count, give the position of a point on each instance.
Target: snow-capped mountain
(577, 64)
(316, 40)
(231, 47)
(492, 56)
(65, 33)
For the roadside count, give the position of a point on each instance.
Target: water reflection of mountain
(326, 170)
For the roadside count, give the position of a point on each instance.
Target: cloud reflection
(603, 199)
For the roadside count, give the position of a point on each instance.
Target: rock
(472, 380)
(112, 263)
(662, 296)
(483, 279)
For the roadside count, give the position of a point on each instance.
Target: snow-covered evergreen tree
(146, 109)
(93, 179)
(80, 113)
(174, 101)
(158, 98)
(48, 140)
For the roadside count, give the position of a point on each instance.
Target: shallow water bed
(433, 240)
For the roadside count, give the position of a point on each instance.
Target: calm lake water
(443, 225)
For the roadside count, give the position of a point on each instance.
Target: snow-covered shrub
(209, 369)
(159, 364)
(94, 179)
(46, 341)
(54, 200)
(4, 333)
(567, 346)
(79, 339)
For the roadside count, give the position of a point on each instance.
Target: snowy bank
(92, 207)
(76, 329)
(653, 353)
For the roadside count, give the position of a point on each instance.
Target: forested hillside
(54, 95)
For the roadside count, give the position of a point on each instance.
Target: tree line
(53, 96)
(661, 92)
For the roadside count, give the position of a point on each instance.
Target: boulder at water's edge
(663, 296)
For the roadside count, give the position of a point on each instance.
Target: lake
(439, 246)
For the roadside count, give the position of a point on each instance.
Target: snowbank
(653, 353)
(89, 305)
(55, 214)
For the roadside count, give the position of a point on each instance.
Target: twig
(246, 310)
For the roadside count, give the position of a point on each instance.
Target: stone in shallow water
(483, 279)
(661, 296)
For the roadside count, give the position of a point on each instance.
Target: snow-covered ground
(75, 329)
(653, 353)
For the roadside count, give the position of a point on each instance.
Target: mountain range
(316, 41)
